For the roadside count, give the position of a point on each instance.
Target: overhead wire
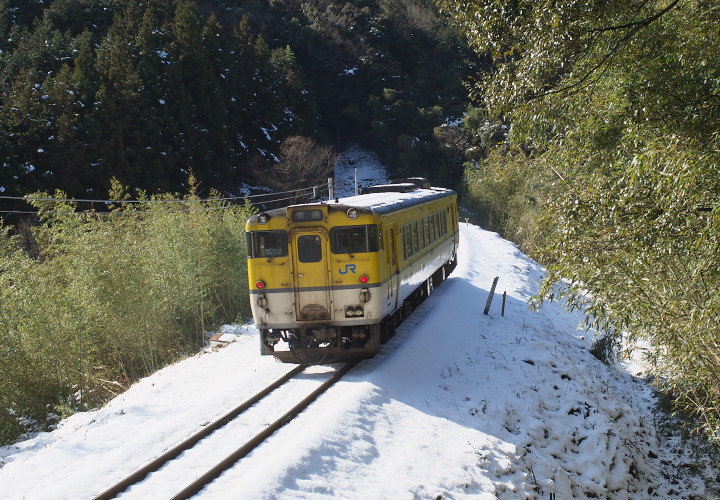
(81, 200)
(250, 198)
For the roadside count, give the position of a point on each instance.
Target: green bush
(506, 191)
(639, 243)
(105, 299)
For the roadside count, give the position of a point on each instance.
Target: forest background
(591, 140)
(147, 91)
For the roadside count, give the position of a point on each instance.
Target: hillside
(150, 92)
(457, 405)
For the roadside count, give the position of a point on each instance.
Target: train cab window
(354, 239)
(267, 244)
(309, 248)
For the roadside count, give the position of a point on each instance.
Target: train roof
(381, 202)
(385, 202)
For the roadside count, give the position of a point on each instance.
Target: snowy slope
(457, 405)
(370, 171)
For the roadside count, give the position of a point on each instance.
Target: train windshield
(267, 244)
(354, 239)
(309, 248)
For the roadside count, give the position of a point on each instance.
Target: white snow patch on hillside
(370, 171)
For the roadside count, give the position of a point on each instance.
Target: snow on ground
(370, 171)
(457, 405)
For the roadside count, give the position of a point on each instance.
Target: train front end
(314, 274)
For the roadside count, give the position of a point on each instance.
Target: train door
(392, 266)
(311, 275)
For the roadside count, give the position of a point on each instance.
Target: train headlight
(364, 278)
(263, 218)
(354, 311)
(353, 213)
(260, 285)
(365, 295)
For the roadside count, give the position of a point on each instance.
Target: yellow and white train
(330, 281)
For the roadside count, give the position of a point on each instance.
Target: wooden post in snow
(490, 297)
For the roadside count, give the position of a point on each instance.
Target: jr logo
(348, 267)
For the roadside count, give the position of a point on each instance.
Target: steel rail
(191, 441)
(197, 486)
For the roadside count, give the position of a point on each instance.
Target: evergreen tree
(5, 24)
(118, 112)
(23, 120)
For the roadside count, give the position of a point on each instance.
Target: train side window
(391, 243)
(309, 248)
(433, 229)
(428, 237)
(410, 239)
(407, 237)
(416, 237)
(372, 238)
(267, 244)
(413, 238)
(354, 239)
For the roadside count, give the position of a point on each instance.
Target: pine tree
(118, 112)
(214, 115)
(23, 118)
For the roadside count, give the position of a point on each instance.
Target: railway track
(230, 460)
